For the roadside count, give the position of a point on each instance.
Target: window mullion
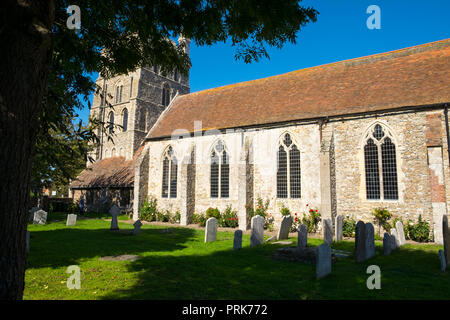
(380, 171)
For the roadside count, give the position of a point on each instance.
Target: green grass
(179, 265)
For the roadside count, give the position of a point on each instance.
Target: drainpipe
(447, 130)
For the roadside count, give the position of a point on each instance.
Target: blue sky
(339, 33)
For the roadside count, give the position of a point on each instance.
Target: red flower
(296, 218)
(306, 204)
(316, 210)
(296, 213)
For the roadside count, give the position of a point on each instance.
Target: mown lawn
(179, 265)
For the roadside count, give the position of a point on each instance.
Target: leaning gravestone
(394, 239)
(285, 227)
(71, 220)
(237, 242)
(370, 241)
(446, 238)
(327, 231)
(257, 235)
(400, 233)
(114, 211)
(137, 227)
(302, 236)
(323, 260)
(442, 260)
(387, 244)
(40, 217)
(360, 242)
(338, 225)
(211, 229)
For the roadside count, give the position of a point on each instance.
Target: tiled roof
(416, 76)
(109, 172)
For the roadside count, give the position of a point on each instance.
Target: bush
(213, 213)
(163, 216)
(348, 227)
(148, 211)
(229, 218)
(296, 221)
(199, 219)
(285, 211)
(175, 218)
(382, 215)
(420, 231)
(311, 219)
(261, 210)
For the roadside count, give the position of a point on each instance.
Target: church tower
(132, 105)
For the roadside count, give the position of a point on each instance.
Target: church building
(345, 138)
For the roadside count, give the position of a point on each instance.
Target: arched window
(380, 165)
(155, 69)
(288, 169)
(125, 120)
(166, 95)
(220, 172)
(111, 122)
(175, 75)
(169, 176)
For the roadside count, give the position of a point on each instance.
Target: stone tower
(136, 101)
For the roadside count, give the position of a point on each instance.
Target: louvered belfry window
(220, 172)
(380, 165)
(169, 174)
(288, 169)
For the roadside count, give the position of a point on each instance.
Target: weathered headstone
(114, 211)
(387, 244)
(446, 238)
(71, 220)
(400, 233)
(237, 242)
(323, 260)
(338, 225)
(360, 242)
(327, 231)
(137, 227)
(442, 260)
(211, 229)
(28, 241)
(285, 227)
(32, 211)
(40, 217)
(370, 240)
(257, 227)
(302, 236)
(394, 239)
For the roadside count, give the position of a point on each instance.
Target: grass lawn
(179, 265)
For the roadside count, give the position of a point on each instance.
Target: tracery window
(288, 169)
(166, 95)
(111, 122)
(169, 176)
(380, 165)
(125, 120)
(220, 172)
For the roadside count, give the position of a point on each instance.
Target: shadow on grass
(251, 273)
(66, 246)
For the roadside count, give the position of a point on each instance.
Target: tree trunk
(25, 54)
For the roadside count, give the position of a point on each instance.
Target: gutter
(447, 130)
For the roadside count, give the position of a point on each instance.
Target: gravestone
(323, 260)
(114, 211)
(446, 238)
(32, 211)
(338, 225)
(442, 260)
(327, 231)
(360, 242)
(237, 242)
(28, 241)
(400, 233)
(394, 239)
(285, 227)
(71, 220)
(257, 235)
(387, 244)
(40, 217)
(137, 227)
(211, 229)
(370, 240)
(302, 236)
